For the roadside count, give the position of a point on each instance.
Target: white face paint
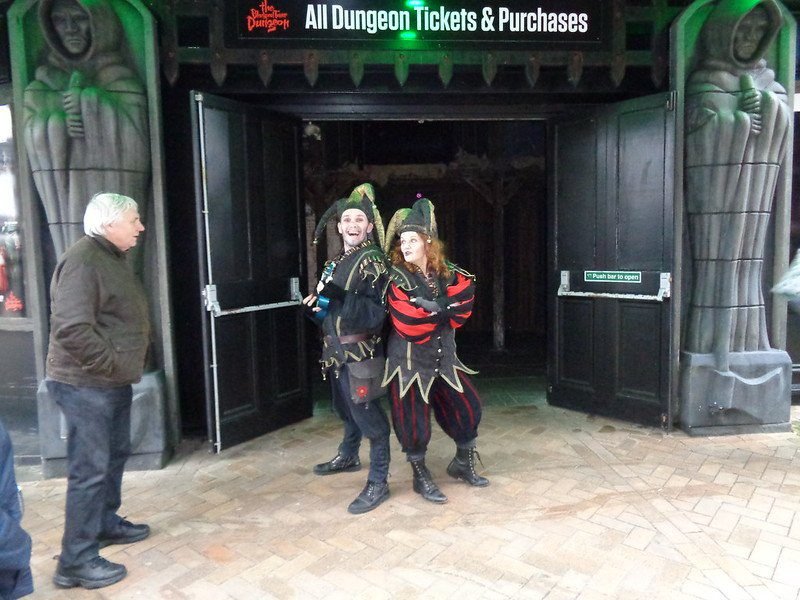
(412, 245)
(354, 227)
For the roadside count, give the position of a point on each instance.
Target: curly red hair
(434, 251)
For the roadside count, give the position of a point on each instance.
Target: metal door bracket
(672, 101)
(210, 299)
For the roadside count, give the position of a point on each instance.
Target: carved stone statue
(85, 115)
(738, 128)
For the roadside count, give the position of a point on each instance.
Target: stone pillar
(738, 129)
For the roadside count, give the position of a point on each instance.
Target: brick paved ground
(578, 507)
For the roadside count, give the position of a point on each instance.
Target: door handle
(211, 303)
(664, 290)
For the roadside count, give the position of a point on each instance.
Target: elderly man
(99, 334)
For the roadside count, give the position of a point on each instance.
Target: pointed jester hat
(362, 198)
(420, 218)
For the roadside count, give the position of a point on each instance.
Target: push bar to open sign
(613, 276)
(664, 288)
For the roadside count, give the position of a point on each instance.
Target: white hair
(103, 209)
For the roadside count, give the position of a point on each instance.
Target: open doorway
(487, 180)
(472, 170)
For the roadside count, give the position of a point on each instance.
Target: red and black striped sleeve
(461, 298)
(413, 323)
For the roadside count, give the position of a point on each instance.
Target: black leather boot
(370, 497)
(338, 464)
(423, 483)
(463, 467)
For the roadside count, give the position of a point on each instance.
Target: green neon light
(408, 35)
(415, 3)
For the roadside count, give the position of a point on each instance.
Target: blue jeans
(367, 420)
(98, 444)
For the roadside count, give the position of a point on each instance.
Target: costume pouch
(365, 379)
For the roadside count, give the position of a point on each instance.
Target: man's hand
(310, 301)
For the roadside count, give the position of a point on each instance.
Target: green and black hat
(362, 198)
(420, 218)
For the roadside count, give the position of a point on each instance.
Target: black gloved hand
(443, 316)
(308, 312)
(429, 305)
(443, 302)
(333, 291)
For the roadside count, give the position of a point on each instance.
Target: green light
(408, 35)
(415, 3)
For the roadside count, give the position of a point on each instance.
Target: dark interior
(465, 167)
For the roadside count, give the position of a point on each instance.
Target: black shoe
(91, 575)
(463, 467)
(338, 464)
(370, 497)
(124, 533)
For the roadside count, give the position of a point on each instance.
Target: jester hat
(420, 218)
(362, 198)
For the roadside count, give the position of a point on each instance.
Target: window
(12, 293)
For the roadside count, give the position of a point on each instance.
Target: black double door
(610, 338)
(247, 189)
(611, 341)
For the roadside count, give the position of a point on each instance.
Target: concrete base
(753, 396)
(149, 446)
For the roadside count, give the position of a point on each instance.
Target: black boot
(338, 464)
(463, 467)
(423, 483)
(370, 497)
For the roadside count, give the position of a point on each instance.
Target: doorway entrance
(498, 187)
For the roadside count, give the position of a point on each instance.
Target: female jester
(428, 299)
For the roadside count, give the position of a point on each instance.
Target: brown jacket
(99, 321)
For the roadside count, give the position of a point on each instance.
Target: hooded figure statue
(85, 122)
(738, 125)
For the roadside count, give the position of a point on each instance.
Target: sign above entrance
(419, 24)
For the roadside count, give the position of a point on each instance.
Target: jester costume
(354, 291)
(422, 369)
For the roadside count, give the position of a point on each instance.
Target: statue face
(749, 33)
(72, 25)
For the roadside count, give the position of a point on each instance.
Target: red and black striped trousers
(458, 414)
